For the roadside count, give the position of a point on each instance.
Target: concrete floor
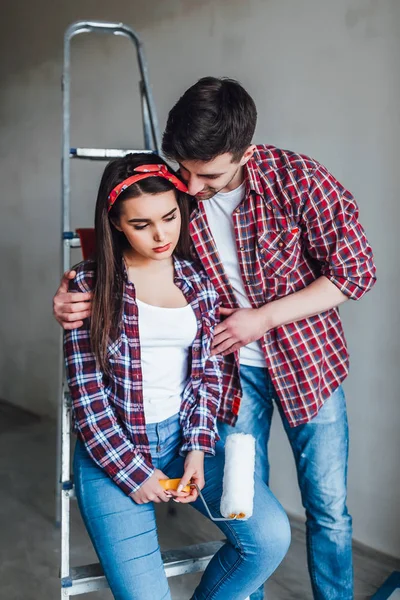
(29, 541)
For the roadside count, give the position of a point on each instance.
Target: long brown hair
(111, 243)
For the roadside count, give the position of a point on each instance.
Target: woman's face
(151, 224)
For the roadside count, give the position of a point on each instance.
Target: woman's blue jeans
(124, 534)
(320, 450)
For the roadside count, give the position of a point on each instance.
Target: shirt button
(247, 281)
(242, 248)
(281, 244)
(237, 210)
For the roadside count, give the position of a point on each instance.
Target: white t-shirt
(166, 335)
(219, 211)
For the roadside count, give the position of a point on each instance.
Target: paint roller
(238, 481)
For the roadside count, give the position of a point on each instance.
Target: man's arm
(246, 325)
(333, 235)
(319, 296)
(70, 309)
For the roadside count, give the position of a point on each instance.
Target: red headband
(145, 172)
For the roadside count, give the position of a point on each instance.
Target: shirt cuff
(199, 439)
(133, 476)
(352, 289)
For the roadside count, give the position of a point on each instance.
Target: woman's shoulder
(194, 272)
(85, 278)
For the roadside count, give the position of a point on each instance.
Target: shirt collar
(183, 271)
(252, 176)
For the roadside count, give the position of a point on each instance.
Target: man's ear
(248, 154)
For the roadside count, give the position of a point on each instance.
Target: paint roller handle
(172, 484)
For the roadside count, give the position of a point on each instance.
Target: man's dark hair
(212, 117)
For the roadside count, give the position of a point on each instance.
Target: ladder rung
(72, 239)
(74, 243)
(103, 153)
(191, 559)
(68, 491)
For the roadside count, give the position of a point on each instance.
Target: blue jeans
(320, 449)
(124, 533)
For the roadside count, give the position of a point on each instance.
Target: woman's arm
(200, 428)
(96, 420)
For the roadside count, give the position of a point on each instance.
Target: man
(280, 239)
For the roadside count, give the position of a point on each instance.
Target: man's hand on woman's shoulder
(70, 308)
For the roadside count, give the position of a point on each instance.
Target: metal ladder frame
(89, 578)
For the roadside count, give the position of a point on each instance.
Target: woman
(146, 393)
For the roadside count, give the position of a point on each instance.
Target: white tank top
(166, 335)
(219, 211)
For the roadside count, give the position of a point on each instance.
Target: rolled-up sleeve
(334, 236)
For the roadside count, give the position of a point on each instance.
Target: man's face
(205, 179)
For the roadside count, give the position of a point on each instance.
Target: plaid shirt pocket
(280, 252)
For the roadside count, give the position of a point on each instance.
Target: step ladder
(191, 559)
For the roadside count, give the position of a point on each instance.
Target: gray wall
(326, 81)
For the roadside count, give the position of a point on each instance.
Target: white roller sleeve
(238, 483)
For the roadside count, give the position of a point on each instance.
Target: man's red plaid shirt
(295, 224)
